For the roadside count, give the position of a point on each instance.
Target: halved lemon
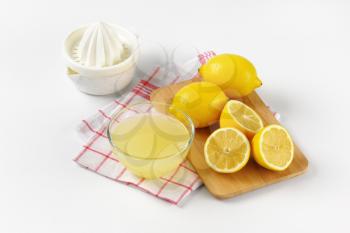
(273, 148)
(240, 116)
(227, 150)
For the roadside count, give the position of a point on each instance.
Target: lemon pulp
(227, 150)
(239, 115)
(273, 148)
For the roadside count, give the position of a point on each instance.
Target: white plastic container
(105, 80)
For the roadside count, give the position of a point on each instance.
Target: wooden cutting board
(252, 176)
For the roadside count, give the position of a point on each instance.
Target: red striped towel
(96, 154)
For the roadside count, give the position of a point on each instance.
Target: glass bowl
(151, 139)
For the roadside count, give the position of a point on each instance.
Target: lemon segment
(202, 101)
(240, 116)
(227, 150)
(273, 148)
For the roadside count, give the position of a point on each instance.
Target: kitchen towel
(96, 154)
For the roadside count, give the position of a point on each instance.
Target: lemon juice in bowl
(150, 140)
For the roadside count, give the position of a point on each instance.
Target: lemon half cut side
(227, 150)
(238, 115)
(273, 148)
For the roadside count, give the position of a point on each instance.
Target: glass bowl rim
(192, 130)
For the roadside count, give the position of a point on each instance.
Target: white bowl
(105, 80)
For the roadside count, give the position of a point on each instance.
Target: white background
(302, 53)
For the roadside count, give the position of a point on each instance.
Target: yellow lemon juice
(150, 145)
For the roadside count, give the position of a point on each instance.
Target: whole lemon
(202, 101)
(233, 73)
